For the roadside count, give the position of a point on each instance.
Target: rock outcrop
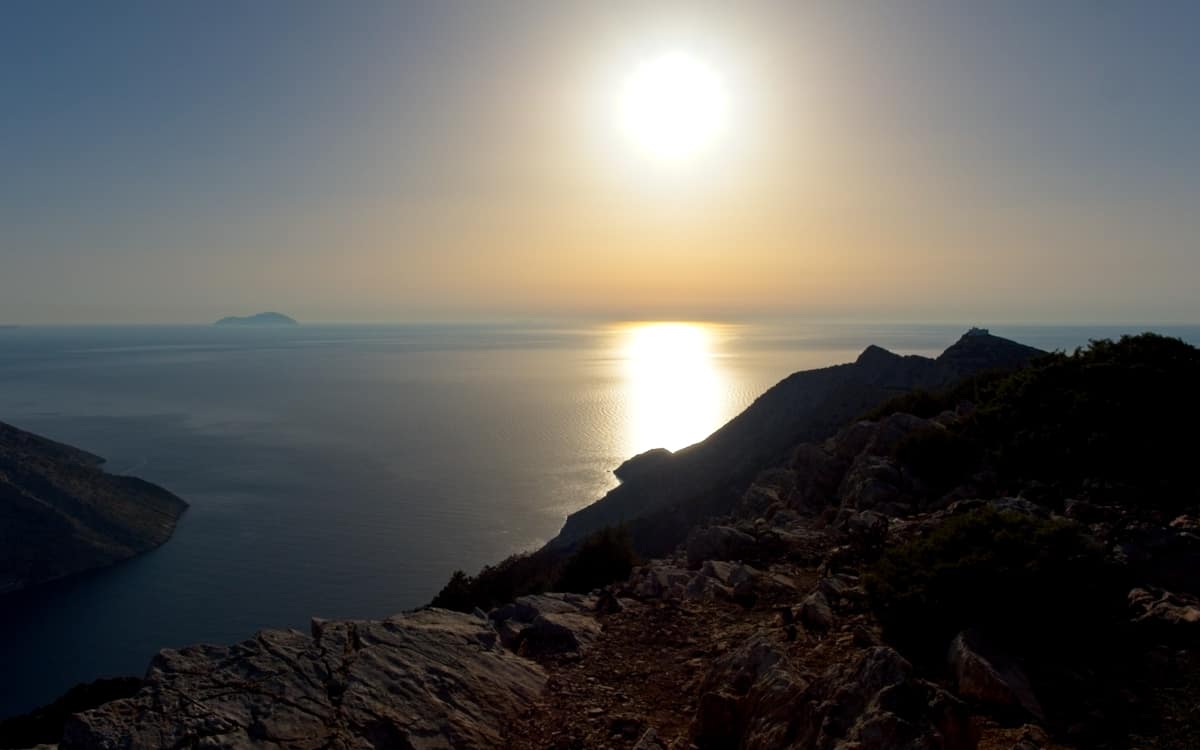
(429, 679)
(984, 673)
(61, 514)
(753, 698)
(547, 624)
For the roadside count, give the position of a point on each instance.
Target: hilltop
(259, 319)
(61, 513)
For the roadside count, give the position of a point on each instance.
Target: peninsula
(61, 514)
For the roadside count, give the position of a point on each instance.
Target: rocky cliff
(60, 513)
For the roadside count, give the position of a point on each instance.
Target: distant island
(260, 319)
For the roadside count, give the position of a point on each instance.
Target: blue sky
(172, 162)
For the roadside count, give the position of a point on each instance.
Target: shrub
(939, 456)
(1102, 422)
(45, 725)
(602, 558)
(498, 584)
(1033, 583)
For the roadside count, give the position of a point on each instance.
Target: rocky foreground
(432, 679)
(61, 514)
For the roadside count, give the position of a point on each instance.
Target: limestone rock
(649, 741)
(753, 698)
(659, 580)
(428, 679)
(876, 704)
(984, 673)
(718, 543)
(541, 624)
(815, 613)
(1163, 609)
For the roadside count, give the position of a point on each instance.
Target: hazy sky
(999, 161)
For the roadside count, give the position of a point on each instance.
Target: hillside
(61, 514)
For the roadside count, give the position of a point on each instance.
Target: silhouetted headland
(61, 514)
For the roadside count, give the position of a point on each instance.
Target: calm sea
(346, 471)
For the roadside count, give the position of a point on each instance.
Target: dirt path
(644, 671)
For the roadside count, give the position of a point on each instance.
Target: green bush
(45, 725)
(939, 456)
(1101, 420)
(602, 558)
(1101, 423)
(1036, 584)
(498, 584)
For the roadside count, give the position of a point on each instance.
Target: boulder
(875, 483)
(542, 624)
(876, 704)
(746, 698)
(985, 674)
(430, 679)
(758, 500)
(660, 580)
(528, 608)
(1032, 737)
(815, 613)
(1164, 610)
(650, 741)
(558, 633)
(718, 543)
(753, 698)
(818, 472)
(717, 569)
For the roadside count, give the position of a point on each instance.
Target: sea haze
(346, 471)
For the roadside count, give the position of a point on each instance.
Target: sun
(673, 106)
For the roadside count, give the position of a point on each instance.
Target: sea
(345, 471)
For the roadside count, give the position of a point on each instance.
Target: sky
(918, 161)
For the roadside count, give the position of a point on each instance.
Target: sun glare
(673, 106)
(674, 385)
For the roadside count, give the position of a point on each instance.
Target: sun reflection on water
(673, 384)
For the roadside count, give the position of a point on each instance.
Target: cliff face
(60, 513)
(663, 494)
